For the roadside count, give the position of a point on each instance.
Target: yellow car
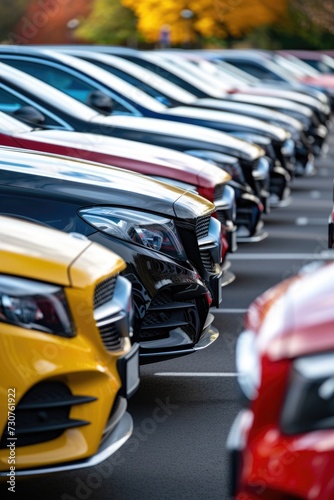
(66, 361)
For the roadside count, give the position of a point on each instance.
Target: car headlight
(288, 147)
(149, 230)
(309, 403)
(261, 171)
(248, 364)
(35, 306)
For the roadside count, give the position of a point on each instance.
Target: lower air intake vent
(43, 414)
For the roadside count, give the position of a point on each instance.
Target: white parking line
(195, 374)
(305, 221)
(283, 256)
(315, 195)
(228, 311)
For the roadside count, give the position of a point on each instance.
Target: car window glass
(166, 74)
(10, 103)
(254, 70)
(156, 94)
(64, 81)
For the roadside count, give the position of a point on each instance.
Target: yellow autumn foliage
(211, 18)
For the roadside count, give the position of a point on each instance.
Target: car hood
(230, 119)
(93, 183)
(259, 112)
(185, 130)
(148, 159)
(37, 252)
(296, 317)
(321, 80)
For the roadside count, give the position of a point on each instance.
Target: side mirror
(30, 115)
(100, 101)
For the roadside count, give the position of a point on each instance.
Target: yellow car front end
(66, 361)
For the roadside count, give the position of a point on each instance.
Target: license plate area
(128, 369)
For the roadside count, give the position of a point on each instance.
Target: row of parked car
(157, 166)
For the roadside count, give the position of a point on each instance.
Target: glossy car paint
(291, 322)
(61, 111)
(161, 163)
(30, 357)
(31, 180)
(113, 86)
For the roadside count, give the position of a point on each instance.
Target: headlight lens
(248, 364)
(149, 230)
(261, 172)
(35, 306)
(309, 404)
(288, 147)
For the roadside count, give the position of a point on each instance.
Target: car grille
(104, 291)
(202, 226)
(219, 191)
(166, 314)
(110, 337)
(43, 414)
(108, 325)
(207, 260)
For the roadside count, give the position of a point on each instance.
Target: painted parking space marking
(306, 221)
(195, 374)
(228, 311)
(284, 256)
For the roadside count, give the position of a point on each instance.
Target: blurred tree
(48, 21)
(10, 12)
(308, 24)
(319, 12)
(210, 18)
(109, 23)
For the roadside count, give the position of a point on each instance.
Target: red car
(282, 443)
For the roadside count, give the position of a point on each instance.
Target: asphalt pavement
(184, 408)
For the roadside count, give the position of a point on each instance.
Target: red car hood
(142, 158)
(323, 80)
(296, 317)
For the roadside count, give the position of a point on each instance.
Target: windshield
(210, 68)
(152, 84)
(47, 93)
(297, 67)
(234, 71)
(205, 76)
(78, 79)
(204, 89)
(323, 65)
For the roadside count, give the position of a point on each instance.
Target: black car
(166, 235)
(41, 105)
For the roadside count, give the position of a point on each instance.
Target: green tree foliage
(11, 11)
(109, 23)
(308, 24)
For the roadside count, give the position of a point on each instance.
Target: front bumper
(108, 447)
(171, 300)
(235, 444)
(179, 345)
